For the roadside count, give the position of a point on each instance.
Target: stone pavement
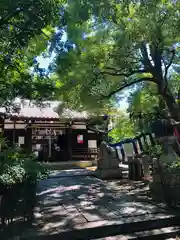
(77, 201)
(71, 173)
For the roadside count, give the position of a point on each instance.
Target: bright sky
(123, 104)
(44, 62)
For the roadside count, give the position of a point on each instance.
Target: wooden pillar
(49, 147)
(2, 129)
(28, 139)
(70, 142)
(14, 132)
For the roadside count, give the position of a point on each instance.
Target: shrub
(173, 167)
(34, 171)
(154, 151)
(16, 168)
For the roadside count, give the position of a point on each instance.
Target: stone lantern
(164, 132)
(165, 179)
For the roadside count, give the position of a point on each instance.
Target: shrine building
(55, 137)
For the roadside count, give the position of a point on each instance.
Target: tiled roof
(47, 112)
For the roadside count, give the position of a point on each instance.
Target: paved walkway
(71, 173)
(67, 202)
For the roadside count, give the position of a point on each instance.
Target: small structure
(132, 151)
(56, 137)
(108, 163)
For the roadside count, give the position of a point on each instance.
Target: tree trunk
(171, 104)
(174, 111)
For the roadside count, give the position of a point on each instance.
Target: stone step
(167, 233)
(155, 234)
(115, 229)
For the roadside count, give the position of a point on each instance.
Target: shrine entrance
(50, 143)
(51, 139)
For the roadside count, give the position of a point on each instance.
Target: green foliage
(144, 107)
(34, 171)
(123, 128)
(118, 44)
(174, 167)
(16, 168)
(154, 151)
(25, 29)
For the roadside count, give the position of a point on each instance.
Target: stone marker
(135, 168)
(108, 163)
(169, 155)
(145, 165)
(166, 183)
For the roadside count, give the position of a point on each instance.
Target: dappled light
(104, 162)
(68, 203)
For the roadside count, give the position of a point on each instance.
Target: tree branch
(28, 29)
(114, 69)
(6, 19)
(146, 61)
(164, 62)
(128, 85)
(118, 73)
(169, 64)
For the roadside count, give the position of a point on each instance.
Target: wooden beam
(48, 126)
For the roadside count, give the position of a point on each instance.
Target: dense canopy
(117, 44)
(25, 29)
(100, 48)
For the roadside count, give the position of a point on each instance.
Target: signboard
(21, 140)
(80, 139)
(92, 143)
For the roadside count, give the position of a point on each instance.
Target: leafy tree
(25, 29)
(119, 44)
(144, 107)
(123, 128)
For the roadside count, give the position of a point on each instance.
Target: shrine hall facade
(53, 137)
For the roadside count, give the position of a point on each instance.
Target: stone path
(68, 202)
(71, 173)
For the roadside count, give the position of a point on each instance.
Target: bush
(34, 171)
(173, 167)
(17, 168)
(154, 151)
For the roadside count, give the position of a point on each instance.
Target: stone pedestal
(135, 169)
(169, 155)
(108, 163)
(165, 181)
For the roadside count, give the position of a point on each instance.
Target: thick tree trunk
(175, 113)
(171, 104)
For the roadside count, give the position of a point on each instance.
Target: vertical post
(28, 138)
(49, 143)
(14, 131)
(50, 146)
(135, 147)
(70, 142)
(140, 144)
(106, 124)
